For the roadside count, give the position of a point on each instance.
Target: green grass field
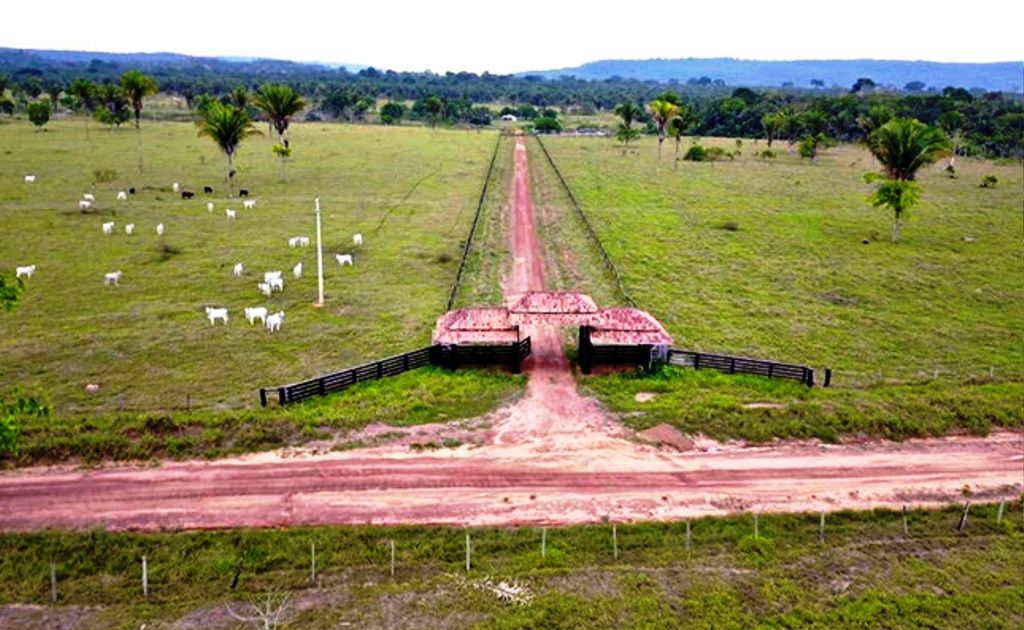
(923, 336)
(147, 343)
(867, 573)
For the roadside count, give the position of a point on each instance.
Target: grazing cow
(129, 229)
(252, 313)
(357, 238)
(264, 288)
(175, 186)
(274, 321)
(243, 192)
(88, 197)
(131, 191)
(230, 213)
(122, 195)
(187, 194)
(237, 271)
(297, 270)
(213, 314)
(112, 278)
(28, 270)
(249, 204)
(108, 227)
(84, 204)
(209, 206)
(208, 190)
(343, 259)
(276, 283)
(30, 179)
(159, 229)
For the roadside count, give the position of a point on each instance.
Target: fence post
(282, 397)
(468, 547)
(320, 385)
(828, 377)
(543, 542)
(732, 365)
(963, 518)
(906, 527)
(263, 397)
(756, 536)
(53, 581)
(696, 360)
(312, 562)
(380, 370)
(999, 515)
(810, 377)
(392, 557)
(689, 537)
(405, 362)
(615, 542)
(145, 577)
(821, 528)
(515, 357)
(771, 370)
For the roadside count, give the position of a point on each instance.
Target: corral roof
(551, 302)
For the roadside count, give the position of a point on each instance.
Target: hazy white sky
(524, 34)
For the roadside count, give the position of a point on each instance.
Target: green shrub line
(427, 395)
(868, 549)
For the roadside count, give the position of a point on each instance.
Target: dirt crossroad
(551, 457)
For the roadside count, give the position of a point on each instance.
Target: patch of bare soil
(34, 617)
(667, 435)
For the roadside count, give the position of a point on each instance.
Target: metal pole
(319, 258)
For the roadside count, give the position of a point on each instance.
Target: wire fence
(609, 265)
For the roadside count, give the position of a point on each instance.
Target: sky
(487, 35)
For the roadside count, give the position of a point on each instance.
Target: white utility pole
(319, 258)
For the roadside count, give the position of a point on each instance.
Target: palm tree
(279, 102)
(240, 97)
(682, 121)
(772, 125)
(662, 111)
(85, 91)
(902, 146)
(135, 86)
(226, 126)
(628, 111)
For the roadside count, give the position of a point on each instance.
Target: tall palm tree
(279, 102)
(136, 86)
(226, 126)
(662, 111)
(85, 91)
(902, 146)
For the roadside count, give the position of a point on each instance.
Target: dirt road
(552, 457)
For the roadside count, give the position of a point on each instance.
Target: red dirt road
(551, 457)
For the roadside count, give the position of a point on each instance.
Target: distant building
(509, 117)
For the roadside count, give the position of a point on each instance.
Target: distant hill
(14, 59)
(1002, 76)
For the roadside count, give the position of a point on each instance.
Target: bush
(545, 124)
(989, 181)
(696, 153)
(767, 154)
(39, 112)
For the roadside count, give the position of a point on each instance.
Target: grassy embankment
(866, 573)
(410, 191)
(765, 258)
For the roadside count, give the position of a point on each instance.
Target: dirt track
(552, 457)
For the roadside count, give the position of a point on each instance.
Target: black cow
(131, 191)
(187, 194)
(243, 192)
(208, 190)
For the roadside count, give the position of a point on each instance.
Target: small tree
(391, 113)
(544, 124)
(39, 113)
(772, 125)
(283, 153)
(662, 111)
(625, 135)
(898, 194)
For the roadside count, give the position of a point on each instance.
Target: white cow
(27, 270)
(343, 259)
(209, 206)
(297, 270)
(108, 227)
(159, 229)
(213, 314)
(237, 271)
(129, 229)
(265, 288)
(253, 313)
(29, 179)
(276, 283)
(84, 204)
(269, 275)
(249, 204)
(357, 239)
(274, 321)
(230, 213)
(175, 187)
(122, 195)
(112, 278)
(88, 197)
(303, 241)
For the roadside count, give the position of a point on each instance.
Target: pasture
(766, 258)
(147, 343)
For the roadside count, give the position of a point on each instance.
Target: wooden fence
(591, 355)
(742, 365)
(451, 357)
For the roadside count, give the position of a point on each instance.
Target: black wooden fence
(590, 355)
(451, 357)
(742, 365)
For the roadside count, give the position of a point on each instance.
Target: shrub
(989, 181)
(544, 124)
(696, 153)
(39, 112)
(767, 154)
